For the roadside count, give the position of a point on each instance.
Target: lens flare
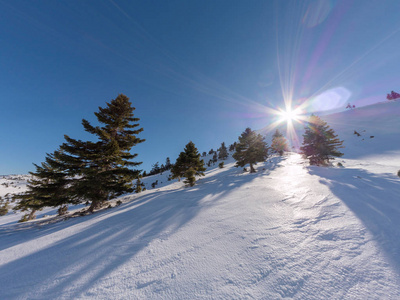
(289, 119)
(289, 114)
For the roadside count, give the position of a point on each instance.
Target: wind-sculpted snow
(288, 231)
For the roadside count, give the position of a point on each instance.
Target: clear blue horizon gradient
(198, 71)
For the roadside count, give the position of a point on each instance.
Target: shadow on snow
(374, 199)
(114, 237)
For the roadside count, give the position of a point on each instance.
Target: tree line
(320, 145)
(96, 171)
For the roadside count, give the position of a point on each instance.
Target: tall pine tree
(188, 165)
(102, 170)
(320, 142)
(250, 149)
(279, 143)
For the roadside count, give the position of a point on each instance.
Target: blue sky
(194, 70)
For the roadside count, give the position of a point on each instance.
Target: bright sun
(289, 115)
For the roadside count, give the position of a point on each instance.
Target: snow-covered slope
(377, 124)
(288, 231)
(12, 184)
(379, 129)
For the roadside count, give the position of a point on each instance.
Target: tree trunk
(94, 205)
(32, 215)
(252, 170)
(63, 210)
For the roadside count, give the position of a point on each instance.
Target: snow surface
(289, 231)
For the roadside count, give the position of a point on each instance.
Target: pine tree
(190, 177)
(168, 164)
(215, 157)
(251, 149)
(279, 143)
(188, 165)
(102, 170)
(4, 206)
(320, 142)
(48, 187)
(223, 152)
(138, 186)
(155, 169)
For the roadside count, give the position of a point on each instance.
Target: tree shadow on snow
(72, 265)
(375, 200)
(84, 257)
(227, 180)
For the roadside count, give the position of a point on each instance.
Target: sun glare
(289, 115)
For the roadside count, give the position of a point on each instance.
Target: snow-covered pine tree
(279, 143)
(320, 142)
(250, 149)
(102, 170)
(188, 164)
(223, 152)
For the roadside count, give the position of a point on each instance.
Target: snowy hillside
(377, 124)
(12, 184)
(9, 186)
(287, 231)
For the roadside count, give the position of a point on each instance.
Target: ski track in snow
(288, 231)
